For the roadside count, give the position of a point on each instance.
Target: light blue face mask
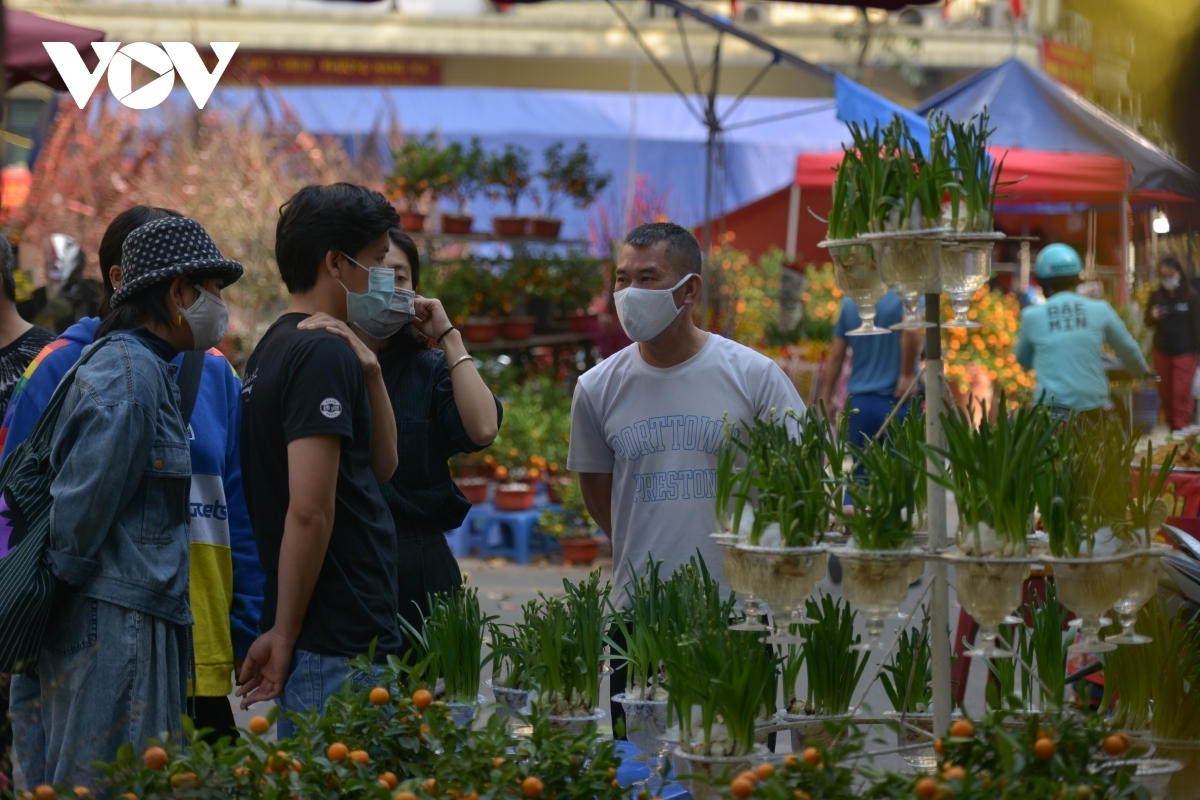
(380, 283)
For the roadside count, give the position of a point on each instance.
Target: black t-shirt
(310, 383)
(15, 357)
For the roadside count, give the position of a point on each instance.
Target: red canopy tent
(24, 57)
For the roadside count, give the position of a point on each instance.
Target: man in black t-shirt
(318, 435)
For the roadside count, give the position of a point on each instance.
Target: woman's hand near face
(431, 318)
(322, 321)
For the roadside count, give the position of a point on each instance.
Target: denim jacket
(119, 523)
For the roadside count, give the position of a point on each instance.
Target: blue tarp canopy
(1031, 111)
(670, 142)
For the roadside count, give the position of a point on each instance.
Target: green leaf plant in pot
(507, 177)
(1089, 569)
(832, 667)
(567, 175)
(880, 563)
(992, 468)
(512, 647)
(907, 678)
(783, 501)
(718, 681)
(418, 177)
(571, 525)
(464, 165)
(636, 644)
(567, 661)
(1139, 572)
(447, 654)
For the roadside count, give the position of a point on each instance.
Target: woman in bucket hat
(115, 658)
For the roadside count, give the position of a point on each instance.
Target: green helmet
(1058, 261)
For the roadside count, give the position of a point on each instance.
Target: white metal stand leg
(939, 634)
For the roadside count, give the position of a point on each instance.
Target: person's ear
(692, 289)
(115, 277)
(181, 293)
(332, 263)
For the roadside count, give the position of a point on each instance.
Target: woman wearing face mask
(442, 408)
(1173, 310)
(115, 658)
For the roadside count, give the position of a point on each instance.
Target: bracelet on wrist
(446, 333)
(460, 360)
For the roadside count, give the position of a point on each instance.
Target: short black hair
(1063, 283)
(341, 216)
(7, 266)
(1171, 262)
(149, 303)
(409, 248)
(682, 247)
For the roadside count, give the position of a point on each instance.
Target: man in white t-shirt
(647, 422)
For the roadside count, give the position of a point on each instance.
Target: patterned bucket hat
(164, 249)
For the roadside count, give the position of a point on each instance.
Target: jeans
(312, 679)
(870, 411)
(106, 676)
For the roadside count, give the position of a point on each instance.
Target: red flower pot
(581, 323)
(514, 497)
(412, 222)
(475, 470)
(509, 226)
(546, 228)
(456, 223)
(517, 327)
(481, 331)
(580, 551)
(552, 484)
(474, 489)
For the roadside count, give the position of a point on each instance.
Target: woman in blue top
(442, 408)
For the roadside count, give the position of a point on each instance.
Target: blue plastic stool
(515, 530)
(471, 533)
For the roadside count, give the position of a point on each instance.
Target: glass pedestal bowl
(734, 570)
(1139, 584)
(1089, 587)
(911, 265)
(990, 589)
(966, 268)
(875, 583)
(645, 724)
(785, 577)
(856, 274)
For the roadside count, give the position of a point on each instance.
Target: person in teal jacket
(226, 590)
(1062, 340)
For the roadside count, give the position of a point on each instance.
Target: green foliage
(784, 480)
(419, 168)
(571, 520)
(992, 468)
(833, 669)
(537, 424)
(464, 167)
(450, 646)
(573, 175)
(417, 747)
(507, 175)
(1147, 492)
(884, 497)
(977, 174)
(642, 625)
(1048, 645)
(907, 677)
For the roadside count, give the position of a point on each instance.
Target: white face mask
(645, 313)
(208, 318)
(400, 311)
(1170, 284)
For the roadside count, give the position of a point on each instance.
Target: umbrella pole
(935, 436)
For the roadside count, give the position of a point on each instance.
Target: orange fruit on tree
(404, 795)
(939, 748)
(360, 757)
(422, 698)
(812, 755)
(389, 780)
(497, 762)
(534, 473)
(532, 787)
(45, 792)
(379, 696)
(800, 794)
(185, 780)
(259, 725)
(1116, 744)
(749, 775)
(926, 788)
(130, 796)
(241, 772)
(741, 788)
(472, 795)
(790, 761)
(962, 729)
(155, 758)
(1044, 749)
(501, 473)
(83, 791)
(337, 752)
(764, 771)
(430, 785)
(296, 765)
(954, 773)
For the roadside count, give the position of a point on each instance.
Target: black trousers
(618, 681)
(215, 713)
